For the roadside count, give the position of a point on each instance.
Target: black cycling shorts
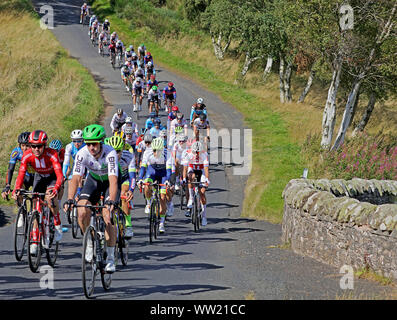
(93, 189)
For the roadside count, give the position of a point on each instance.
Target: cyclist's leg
(124, 204)
(89, 195)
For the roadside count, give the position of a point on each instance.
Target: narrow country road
(231, 258)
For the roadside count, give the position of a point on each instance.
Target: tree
(219, 19)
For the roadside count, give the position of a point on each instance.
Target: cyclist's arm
(66, 161)
(10, 172)
(132, 173)
(191, 114)
(58, 171)
(21, 173)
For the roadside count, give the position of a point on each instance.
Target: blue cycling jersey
(70, 152)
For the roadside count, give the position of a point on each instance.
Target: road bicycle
(119, 58)
(182, 195)
(95, 234)
(22, 224)
(113, 58)
(196, 208)
(122, 242)
(43, 219)
(154, 216)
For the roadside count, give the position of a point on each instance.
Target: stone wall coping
(333, 200)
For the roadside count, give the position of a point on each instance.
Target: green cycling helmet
(178, 129)
(94, 133)
(116, 142)
(154, 88)
(157, 144)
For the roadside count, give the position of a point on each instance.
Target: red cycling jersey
(46, 164)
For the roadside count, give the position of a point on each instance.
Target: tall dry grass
(40, 86)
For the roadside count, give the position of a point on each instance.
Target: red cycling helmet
(170, 84)
(148, 53)
(175, 108)
(152, 76)
(38, 137)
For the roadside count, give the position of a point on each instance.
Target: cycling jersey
(175, 123)
(101, 168)
(149, 123)
(197, 110)
(201, 125)
(164, 162)
(194, 161)
(178, 150)
(153, 96)
(46, 165)
(70, 154)
(167, 93)
(147, 58)
(139, 74)
(151, 83)
(125, 72)
(128, 169)
(156, 132)
(137, 85)
(149, 71)
(117, 121)
(106, 25)
(16, 155)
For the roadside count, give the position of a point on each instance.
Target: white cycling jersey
(164, 161)
(117, 121)
(178, 150)
(197, 122)
(193, 161)
(136, 85)
(106, 165)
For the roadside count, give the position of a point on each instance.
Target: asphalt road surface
(231, 258)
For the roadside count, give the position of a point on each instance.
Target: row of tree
(352, 44)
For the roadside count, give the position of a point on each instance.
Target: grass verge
(39, 89)
(276, 157)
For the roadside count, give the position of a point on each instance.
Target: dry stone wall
(341, 222)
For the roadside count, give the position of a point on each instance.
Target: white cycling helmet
(197, 146)
(128, 130)
(149, 64)
(106, 20)
(76, 134)
(181, 137)
(200, 100)
(128, 120)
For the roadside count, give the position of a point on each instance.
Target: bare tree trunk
(247, 63)
(367, 114)
(329, 115)
(287, 83)
(307, 86)
(268, 67)
(347, 114)
(281, 76)
(217, 43)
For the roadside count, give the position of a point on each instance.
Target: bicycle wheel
(20, 233)
(106, 278)
(34, 258)
(157, 220)
(196, 216)
(122, 243)
(89, 268)
(52, 250)
(74, 223)
(182, 194)
(152, 222)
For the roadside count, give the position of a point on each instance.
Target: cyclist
(177, 151)
(156, 166)
(198, 108)
(150, 121)
(172, 115)
(142, 146)
(71, 150)
(57, 146)
(94, 30)
(101, 161)
(152, 82)
(101, 41)
(157, 128)
(106, 26)
(112, 49)
(169, 93)
(118, 120)
(147, 58)
(129, 123)
(120, 48)
(48, 178)
(137, 90)
(141, 54)
(139, 73)
(134, 61)
(16, 155)
(153, 98)
(128, 171)
(177, 126)
(195, 165)
(149, 70)
(125, 75)
(92, 20)
(130, 139)
(199, 125)
(84, 12)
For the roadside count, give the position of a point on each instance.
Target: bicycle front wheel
(89, 267)
(106, 278)
(74, 223)
(196, 216)
(20, 233)
(34, 246)
(152, 222)
(52, 250)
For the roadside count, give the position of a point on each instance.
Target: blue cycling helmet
(152, 114)
(56, 144)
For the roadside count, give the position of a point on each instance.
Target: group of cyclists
(113, 167)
